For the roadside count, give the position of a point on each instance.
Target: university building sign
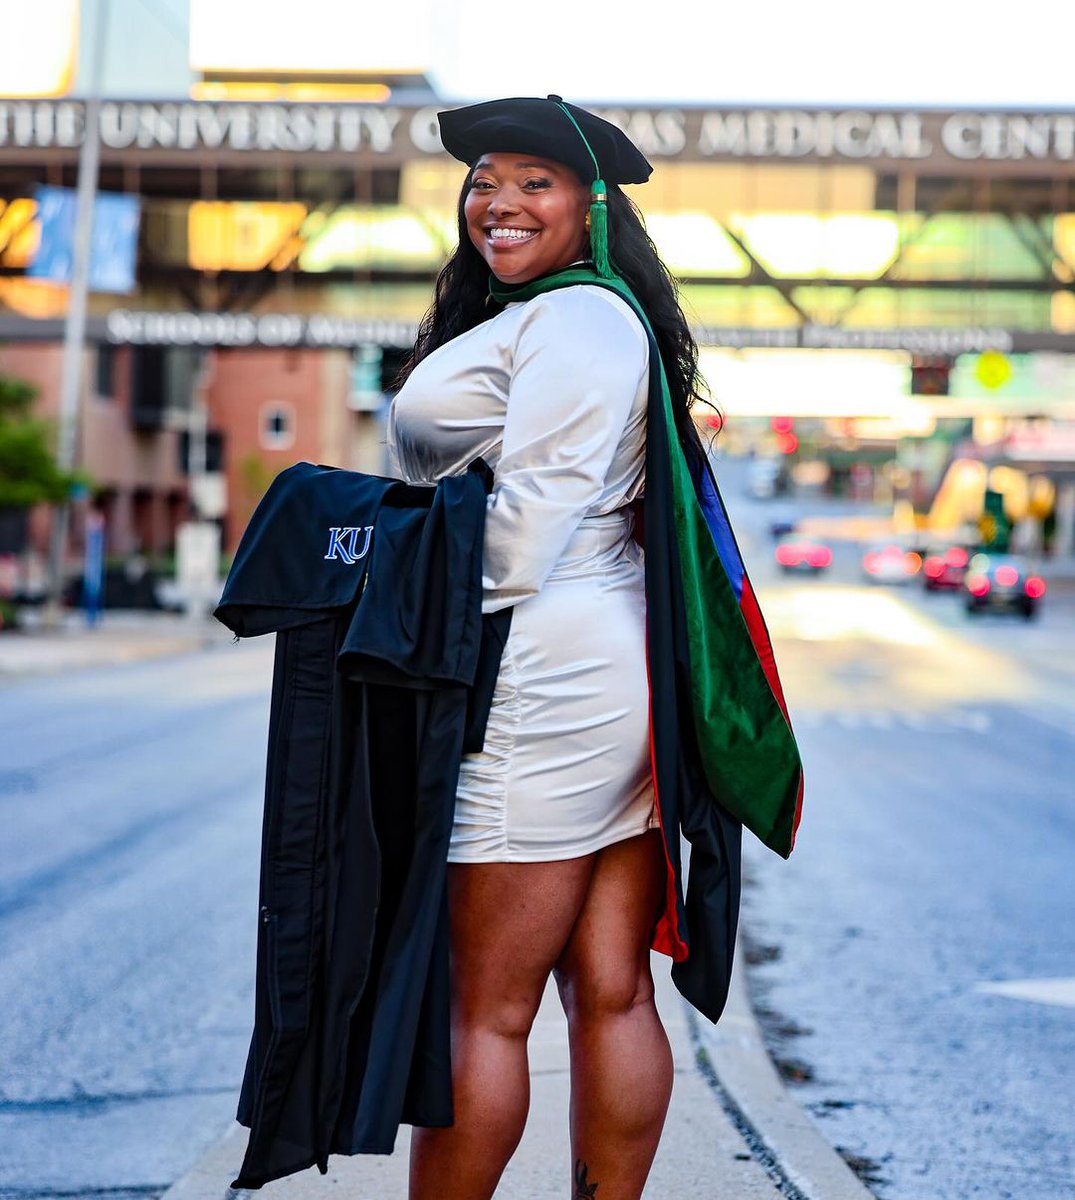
(133, 327)
(939, 138)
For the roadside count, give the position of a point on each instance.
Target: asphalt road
(933, 865)
(914, 960)
(130, 800)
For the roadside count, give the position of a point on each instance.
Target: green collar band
(507, 293)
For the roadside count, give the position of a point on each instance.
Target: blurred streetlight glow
(813, 383)
(38, 47)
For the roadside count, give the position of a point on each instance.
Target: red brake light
(819, 556)
(957, 557)
(912, 561)
(978, 585)
(1007, 576)
(789, 556)
(934, 567)
(1035, 587)
(871, 560)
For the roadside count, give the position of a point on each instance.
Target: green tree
(28, 470)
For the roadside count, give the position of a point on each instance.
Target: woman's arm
(578, 367)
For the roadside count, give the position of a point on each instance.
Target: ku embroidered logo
(348, 543)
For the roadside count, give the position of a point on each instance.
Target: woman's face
(526, 215)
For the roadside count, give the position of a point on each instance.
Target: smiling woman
(539, 355)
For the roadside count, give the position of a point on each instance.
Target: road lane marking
(977, 722)
(967, 720)
(1060, 992)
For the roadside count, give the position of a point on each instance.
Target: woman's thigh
(605, 964)
(510, 923)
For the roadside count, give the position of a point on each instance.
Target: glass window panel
(971, 246)
(827, 303)
(926, 307)
(237, 236)
(376, 301)
(737, 306)
(352, 237)
(1063, 312)
(19, 232)
(1064, 236)
(693, 243)
(856, 245)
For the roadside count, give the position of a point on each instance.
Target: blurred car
(891, 563)
(781, 524)
(945, 567)
(1004, 583)
(795, 553)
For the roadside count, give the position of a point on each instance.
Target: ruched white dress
(552, 393)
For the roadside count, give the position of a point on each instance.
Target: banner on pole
(113, 243)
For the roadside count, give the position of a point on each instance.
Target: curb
(733, 1057)
(29, 655)
(209, 1174)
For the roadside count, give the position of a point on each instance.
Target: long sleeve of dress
(577, 376)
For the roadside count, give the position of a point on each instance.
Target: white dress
(552, 393)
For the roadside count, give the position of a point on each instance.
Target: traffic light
(929, 374)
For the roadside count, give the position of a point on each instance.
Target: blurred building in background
(879, 293)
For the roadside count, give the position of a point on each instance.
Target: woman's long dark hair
(461, 301)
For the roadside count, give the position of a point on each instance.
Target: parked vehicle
(800, 554)
(1002, 583)
(945, 568)
(781, 524)
(890, 563)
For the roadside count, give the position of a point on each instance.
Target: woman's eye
(480, 185)
(534, 184)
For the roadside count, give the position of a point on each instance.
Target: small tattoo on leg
(583, 1187)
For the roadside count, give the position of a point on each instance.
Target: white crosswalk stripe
(1060, 992)
(966, 720)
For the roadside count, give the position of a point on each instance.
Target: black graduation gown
(383, 677)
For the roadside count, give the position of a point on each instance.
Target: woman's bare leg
(510, 922)
(621, 1062)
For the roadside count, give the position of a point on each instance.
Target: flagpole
(75, 326)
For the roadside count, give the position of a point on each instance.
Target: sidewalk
(724, 1083)
(119, 637)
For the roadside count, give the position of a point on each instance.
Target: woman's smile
(507, 237)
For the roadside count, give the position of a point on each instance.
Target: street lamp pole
(75, 326)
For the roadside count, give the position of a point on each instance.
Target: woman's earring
(587, 221)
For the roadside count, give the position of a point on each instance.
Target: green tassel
(599, 229)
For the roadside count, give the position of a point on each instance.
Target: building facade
(286, 252)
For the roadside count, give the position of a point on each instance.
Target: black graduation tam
(544, 127)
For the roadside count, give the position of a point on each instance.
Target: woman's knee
(589, 992)
(509, 1017)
